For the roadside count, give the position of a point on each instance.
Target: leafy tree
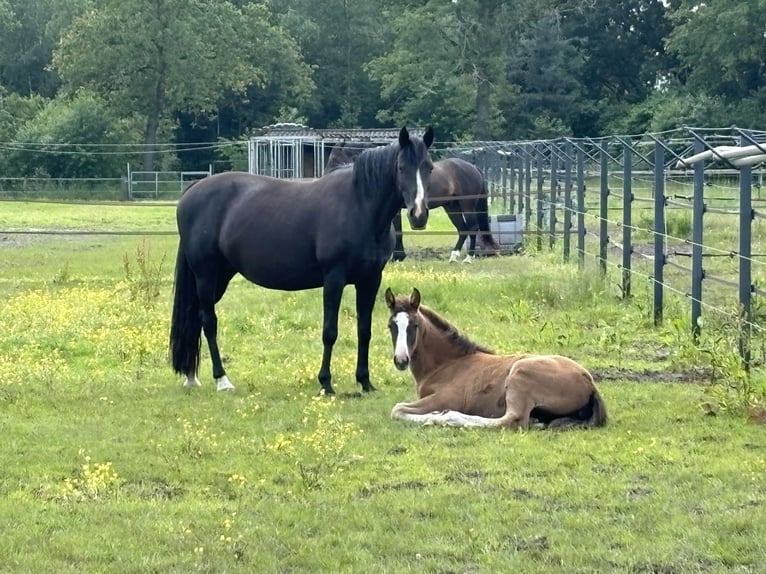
(59, 140)
(337, 37)
(546, 67)
(623, 46)
(167, 56)
(722, 51)
(449, 59)
(29, 31)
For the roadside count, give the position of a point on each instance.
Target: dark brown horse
(455, 185)
(460, 383)
(336, 230)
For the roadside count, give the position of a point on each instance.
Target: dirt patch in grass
(692, 376)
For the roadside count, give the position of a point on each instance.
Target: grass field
(110, 466)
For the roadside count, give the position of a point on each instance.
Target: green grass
(110, 466)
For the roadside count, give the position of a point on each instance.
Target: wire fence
(681, 210)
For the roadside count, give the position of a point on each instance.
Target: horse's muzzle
(418, 221)
(402, 364)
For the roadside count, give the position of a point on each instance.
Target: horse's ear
(415, 298)
(404, 137)
(390, 299)
(428, 137)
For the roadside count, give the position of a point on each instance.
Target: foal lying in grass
(460, 383)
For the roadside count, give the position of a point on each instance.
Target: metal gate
(161, 184)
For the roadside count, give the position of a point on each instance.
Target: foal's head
(413, 169)
(409, 320)
(403, 324)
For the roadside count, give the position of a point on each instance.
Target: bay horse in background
(461, 383)
(456, 185)
(337, 230)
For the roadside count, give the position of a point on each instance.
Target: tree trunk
(481, 130)
(153, 122)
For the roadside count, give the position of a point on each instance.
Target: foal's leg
(419, 411)
(334, 281)
(365, 302)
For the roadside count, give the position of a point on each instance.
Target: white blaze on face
(420, 197)
(401, 354)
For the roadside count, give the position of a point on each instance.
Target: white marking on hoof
(191, 382)
(454, 256)
(468, 259)
(224, 384)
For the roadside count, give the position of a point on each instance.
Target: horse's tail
(598, 417)
(185, 324)
(482, 216)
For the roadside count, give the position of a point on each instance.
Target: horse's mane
(453, 335)
(374, 164)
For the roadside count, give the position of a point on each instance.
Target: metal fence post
(698, 211)
(554, 195)
(539, 205)
(580, 208)
(567, 197)
(627, 222)
(528, 190)
(659, 229)
(745, 237)
(603, 205)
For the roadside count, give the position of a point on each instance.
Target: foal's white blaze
(401, 353)
(420, 197)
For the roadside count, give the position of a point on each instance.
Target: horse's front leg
(334, 282)
(365, 302)
(399, 253)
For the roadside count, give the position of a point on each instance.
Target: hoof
(192, 382)
(224, 384)
(398, 256)
(454, 256)
(328, 391)
(468, 259)
(367, 387)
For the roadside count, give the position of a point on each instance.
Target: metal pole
(539, 206)
(552, 202)
(567, 198)
(627, 204)
(580, 208)
(746, 216)
(698, 210)
(659, 229)
(603, 232)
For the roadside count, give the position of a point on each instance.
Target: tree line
(140, 72)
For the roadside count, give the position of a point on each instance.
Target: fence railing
(647, 205)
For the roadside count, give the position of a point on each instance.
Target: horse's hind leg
(457, 219)
(210, 290)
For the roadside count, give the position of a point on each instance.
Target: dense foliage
(200, 70)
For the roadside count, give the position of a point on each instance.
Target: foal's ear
(390, 299)
(428, 137)
(404, 137)
(415, 298)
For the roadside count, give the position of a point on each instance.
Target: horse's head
(403, 324)
(413, 168)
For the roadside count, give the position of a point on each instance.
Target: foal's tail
(185, 324)
(595, 407)
(482, 216)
